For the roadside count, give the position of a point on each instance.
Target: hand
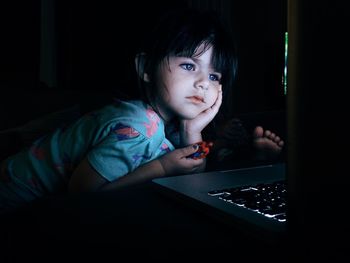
(178, 162)
(191, 129)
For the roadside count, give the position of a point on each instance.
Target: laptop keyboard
(268, 199)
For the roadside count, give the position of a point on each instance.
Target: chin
(188, 113)
(190, 116)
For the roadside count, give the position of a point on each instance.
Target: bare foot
(267, 144)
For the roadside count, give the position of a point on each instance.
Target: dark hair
(180, 33)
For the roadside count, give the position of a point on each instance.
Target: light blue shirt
(115, 139)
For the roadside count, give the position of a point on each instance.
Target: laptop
(242, 198)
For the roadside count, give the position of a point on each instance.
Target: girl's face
(186, 86)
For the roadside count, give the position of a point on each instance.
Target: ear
(140, 60)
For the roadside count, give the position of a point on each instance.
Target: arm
(191, 130)
(86, 178)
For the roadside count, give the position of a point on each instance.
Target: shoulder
(133, 115)
(133, 109)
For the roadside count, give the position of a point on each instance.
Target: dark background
(83, 61)
(71, 49)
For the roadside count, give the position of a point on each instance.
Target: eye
(214, 77)
(187, 66)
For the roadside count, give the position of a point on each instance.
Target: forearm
(188, 137)
(86, 178)
(141, 174)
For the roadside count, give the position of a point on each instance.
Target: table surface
(137, 222)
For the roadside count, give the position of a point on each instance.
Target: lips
(196, 99)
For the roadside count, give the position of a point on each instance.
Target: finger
(215, 107)
(186, 151)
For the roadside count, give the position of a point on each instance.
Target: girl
(185, 71)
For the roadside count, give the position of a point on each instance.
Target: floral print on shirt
(124, 132)
(153, 122)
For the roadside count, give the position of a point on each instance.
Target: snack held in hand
(203, 150)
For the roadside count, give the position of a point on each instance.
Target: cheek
(212, 96)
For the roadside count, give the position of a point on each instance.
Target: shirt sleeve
(120, 153)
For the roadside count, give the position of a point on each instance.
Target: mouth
(196, 99)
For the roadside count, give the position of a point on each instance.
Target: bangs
(187, 46)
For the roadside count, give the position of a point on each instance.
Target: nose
(202, 82)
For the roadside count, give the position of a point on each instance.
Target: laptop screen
(315, 112)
